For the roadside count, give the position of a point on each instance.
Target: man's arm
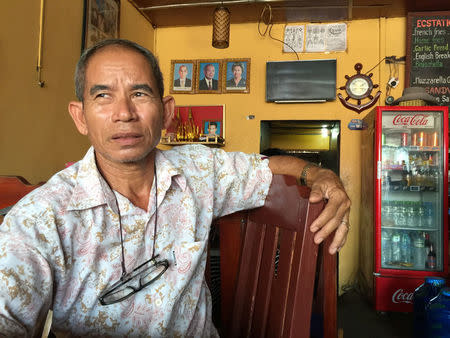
(324, 184)
(26, 277)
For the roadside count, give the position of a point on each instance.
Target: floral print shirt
(60, 246)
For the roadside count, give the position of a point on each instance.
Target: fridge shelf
(413, 148)
(397, 227)
(414, 188)
(404, 266)
(399, 167)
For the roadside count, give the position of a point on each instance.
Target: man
(208, 82)
(236, 81)
(183, 81)
(116, 243)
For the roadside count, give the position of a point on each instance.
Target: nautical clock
(359, 87)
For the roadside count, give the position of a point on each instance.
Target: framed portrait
(212, 128)
(236, 77)
(100, 21)
(182, 76)
(209, 76)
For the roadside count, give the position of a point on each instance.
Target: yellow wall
(368, 42)
(37, 136)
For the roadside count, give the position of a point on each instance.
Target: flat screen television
(301, 81)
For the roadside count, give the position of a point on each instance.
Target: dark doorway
(317, 141)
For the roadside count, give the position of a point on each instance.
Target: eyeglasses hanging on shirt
(141, 276)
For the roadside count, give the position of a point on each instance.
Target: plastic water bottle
(420, 255)
(438, 315)
(410, 214)
(386, 247)
(401, 214)
(396, 256)
(422, 295)
(405, 248)
(421, 216)
(428, 208)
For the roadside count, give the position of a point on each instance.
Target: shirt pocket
(187, 257)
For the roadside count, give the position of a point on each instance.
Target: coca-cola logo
(410, 120)
(401, 296)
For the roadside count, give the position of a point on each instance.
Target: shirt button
(158, 302)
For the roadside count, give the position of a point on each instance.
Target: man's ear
(76, 111)
(169, 109)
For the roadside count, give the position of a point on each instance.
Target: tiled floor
(358, 319)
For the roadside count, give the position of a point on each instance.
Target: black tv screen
(301, 81)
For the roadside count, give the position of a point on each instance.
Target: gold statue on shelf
(187, 131)
(179, 127)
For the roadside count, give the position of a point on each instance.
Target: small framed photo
(236, 76)
(100, 21)
(212, 128)
(182, 73)
(209, 75)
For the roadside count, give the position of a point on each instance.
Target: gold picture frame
(101, 21)
(212, 68)
(235, 81)
(183, 70)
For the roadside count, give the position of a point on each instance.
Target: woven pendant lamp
(221, 27)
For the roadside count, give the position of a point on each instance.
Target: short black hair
(80, 71)
(237, 64)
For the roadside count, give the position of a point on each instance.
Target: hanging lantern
(221, 27)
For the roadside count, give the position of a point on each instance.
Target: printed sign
(428, 53)
(357, 124)
(407, 121)
(293, 38)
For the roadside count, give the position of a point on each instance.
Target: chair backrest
(268, 268)
(12, 189)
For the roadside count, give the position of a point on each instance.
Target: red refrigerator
(404, 202)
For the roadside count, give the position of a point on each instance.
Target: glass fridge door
(411, 190)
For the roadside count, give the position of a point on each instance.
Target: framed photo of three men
(210, 76)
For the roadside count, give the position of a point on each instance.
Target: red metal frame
(377, 195)
(393, 289)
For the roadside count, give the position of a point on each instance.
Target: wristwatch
(304, 174)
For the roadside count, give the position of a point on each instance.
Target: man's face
(209, 72)
(183, 72)
(237, 72)
(212, 129)
(122, 113)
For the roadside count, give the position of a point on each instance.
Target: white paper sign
(336, 37)
(326, 37)
(315, 38)
(293, 37)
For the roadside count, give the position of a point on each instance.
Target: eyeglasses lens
(134, 281)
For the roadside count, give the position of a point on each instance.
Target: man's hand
(326, 185)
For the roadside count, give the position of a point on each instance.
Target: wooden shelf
(208, 143)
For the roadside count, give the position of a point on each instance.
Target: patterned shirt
(60, 245)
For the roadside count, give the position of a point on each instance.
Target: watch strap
(304, 174)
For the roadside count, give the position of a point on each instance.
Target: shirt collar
(166, 172)
(92, 190)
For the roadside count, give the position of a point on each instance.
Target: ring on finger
(346, 224)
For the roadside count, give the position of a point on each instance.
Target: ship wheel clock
(359, 87)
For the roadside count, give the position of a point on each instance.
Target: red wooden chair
(12, 189)
(268, 263)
